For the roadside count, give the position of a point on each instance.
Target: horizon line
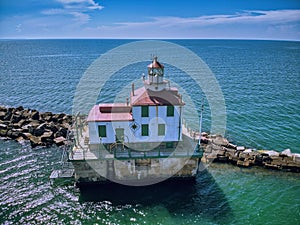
(128, 38)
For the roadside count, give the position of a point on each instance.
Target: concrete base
(135, 171)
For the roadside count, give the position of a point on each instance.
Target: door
(119, 134)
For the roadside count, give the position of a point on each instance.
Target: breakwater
(41, 129)
(219, 149)
(46, 129)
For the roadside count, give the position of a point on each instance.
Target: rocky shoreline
(46, 129)
(41, 129)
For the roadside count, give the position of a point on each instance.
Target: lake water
(260, 81)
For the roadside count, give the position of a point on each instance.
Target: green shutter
(102, 130)
(145, 130)
(145, 111)
(170, 110)
(161, 129)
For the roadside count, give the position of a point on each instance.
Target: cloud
(53, 11)
(254, 24)
(79, 9)
(245, 17)
(84, 4)
(19, 27)
(80, 17)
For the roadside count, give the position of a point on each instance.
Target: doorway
(119, 134)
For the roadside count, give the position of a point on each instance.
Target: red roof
(110, 112)
(142, 96)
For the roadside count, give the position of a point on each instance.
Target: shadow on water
(201, 197)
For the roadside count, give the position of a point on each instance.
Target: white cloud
(19, 27)
(79, 9)
(53, 11)
(80, 17)
(83, 4)
(255, 16)
(255, 24)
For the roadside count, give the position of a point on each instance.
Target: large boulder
(34, 123)
(21, 123)
(26, 114)
(3, 132)
(8, 115)
(34, 141)
(13, 134)
(68, 119)
(59, 141)
(47, 138)
(3, 109)
(272, 153)
(20, 108)
(51, 126)
(62, 132)
(219, 140)
(16, 118)
(38, 131)
(240, 148)
(3, 126)
(35, 115)
(2, 115)
(286, 153)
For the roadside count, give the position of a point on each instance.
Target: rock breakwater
(219, 149)
(41, 129)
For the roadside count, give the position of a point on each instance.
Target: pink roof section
(108, 112)
(142, 96)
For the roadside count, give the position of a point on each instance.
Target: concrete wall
(90, 170)
(136, 169)
(155, 168)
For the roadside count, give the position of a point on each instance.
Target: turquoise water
(260, 83)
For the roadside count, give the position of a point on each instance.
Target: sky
(151, 19)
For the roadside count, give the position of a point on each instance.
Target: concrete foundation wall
(135, 169)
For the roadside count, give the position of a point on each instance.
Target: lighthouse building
(151, 117)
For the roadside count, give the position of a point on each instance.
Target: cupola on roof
(155, 64)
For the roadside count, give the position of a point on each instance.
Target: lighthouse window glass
(145, 111)
(170, 110)
(102, 131)
(145, 130)
(161, 129)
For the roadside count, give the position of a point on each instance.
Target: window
(161, 129)
(145, 130)
(170, 110)
(102, 130)
(145, 111)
